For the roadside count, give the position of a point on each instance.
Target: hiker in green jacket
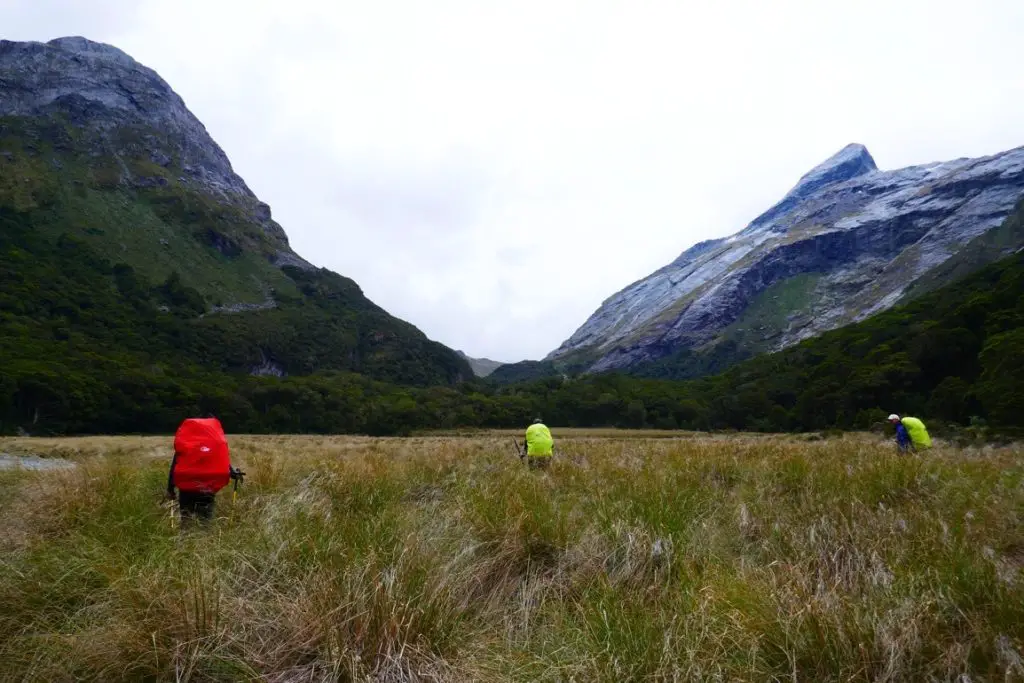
(911, 434)
(539, 445)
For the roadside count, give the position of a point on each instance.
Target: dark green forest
(93, 347)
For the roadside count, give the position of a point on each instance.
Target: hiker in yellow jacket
(911, 434)
(539, 445)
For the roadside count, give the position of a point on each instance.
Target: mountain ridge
(865, 234)
(97, 146)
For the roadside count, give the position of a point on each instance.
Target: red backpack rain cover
(203, 463)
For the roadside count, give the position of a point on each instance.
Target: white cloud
(492, 171)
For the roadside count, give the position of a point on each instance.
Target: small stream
(32, 462)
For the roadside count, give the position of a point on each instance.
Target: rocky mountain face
(95, 146)
(129, 115)
(847, 241)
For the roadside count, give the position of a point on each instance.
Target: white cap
(894, 416)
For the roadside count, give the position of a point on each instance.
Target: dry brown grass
(678, 557)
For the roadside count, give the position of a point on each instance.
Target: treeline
(953, 355)
(61, 301)
(949, 357)
(91, 348)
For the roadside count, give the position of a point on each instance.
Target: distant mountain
(109, 184)
(525, 371)
(846, 242)
(951, 356)
(482, 367)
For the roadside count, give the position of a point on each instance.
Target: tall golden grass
(443, 558)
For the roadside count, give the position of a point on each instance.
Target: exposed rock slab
(101, 89)
(869, 233)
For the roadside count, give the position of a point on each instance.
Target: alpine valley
(141, 281)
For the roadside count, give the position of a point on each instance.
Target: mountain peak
(88, 48)
(849, 162)
(847, 241)
(105, 152)
(102, 88)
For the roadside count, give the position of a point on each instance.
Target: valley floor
(681, 557)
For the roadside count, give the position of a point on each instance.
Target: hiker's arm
(902, 437)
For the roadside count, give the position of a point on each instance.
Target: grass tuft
(443, 558)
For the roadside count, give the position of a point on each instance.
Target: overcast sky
(492, 170)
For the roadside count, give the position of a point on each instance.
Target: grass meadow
(637, 557)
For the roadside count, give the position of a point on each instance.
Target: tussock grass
(443, 558)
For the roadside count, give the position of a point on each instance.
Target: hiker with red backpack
(201, 467)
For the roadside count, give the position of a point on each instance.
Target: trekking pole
(518, 449)
(236, 476)
(173, 516)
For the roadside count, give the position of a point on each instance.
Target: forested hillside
(953, 355)
(127, 240)
(92, 346)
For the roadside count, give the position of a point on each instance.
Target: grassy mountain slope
(76, 202)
